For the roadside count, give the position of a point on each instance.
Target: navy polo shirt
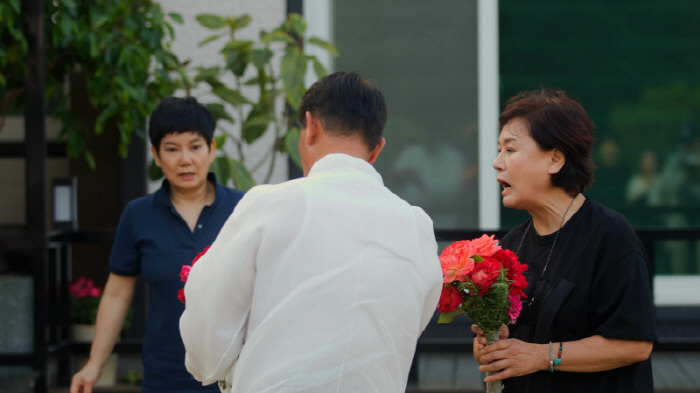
(154, 240)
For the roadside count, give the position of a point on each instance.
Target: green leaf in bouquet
(449, 316)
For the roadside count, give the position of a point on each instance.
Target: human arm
(218, 296)
(591, 354)
(114, 306)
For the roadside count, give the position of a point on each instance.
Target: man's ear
(312, 129)
(156, 158)
(556, 162)
(375, 153)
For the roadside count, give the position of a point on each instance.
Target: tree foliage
(120, 47)
(275, 66)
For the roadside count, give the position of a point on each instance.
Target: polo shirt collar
(163, 194)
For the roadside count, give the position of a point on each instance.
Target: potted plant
(85, 299)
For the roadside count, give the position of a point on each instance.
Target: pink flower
(456, 261)
(185, 272)
(449, 299)
(84, 287)
(485, 246)
(515, 306)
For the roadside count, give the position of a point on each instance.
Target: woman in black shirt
(588, 323)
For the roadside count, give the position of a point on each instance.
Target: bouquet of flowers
(484, 282)
(85, 299)
(185, 273)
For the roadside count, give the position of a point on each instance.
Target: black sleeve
(621, 298)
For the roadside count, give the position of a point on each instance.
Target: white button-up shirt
(319, 284)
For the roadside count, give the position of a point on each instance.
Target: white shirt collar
(335, 161)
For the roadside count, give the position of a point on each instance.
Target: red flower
(185, 273)
(181, 295)
(485, 273)
(200, 255)
(449, 299)
(509, 261)
(456, 261)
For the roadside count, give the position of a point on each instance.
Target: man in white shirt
(318, 284)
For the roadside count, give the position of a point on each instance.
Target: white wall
(266, 14)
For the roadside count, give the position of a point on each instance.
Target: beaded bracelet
(557, 361)
(551, 358)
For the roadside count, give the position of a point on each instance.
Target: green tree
(120, 47)
(275, 67)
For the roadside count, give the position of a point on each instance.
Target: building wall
(265, 14)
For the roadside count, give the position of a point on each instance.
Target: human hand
(84, 379)
(480, 340)
(513, 358)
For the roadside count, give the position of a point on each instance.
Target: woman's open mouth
(505, 184)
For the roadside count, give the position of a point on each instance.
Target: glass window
(633, 65)
(422, 55)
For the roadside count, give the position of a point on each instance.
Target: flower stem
(497, 386)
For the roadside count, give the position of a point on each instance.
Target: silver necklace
(561, 224)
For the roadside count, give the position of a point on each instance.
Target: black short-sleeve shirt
(597, 282)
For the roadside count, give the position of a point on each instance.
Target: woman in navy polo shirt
(157, 234)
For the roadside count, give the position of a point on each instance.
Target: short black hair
(175, 115)
(346, 104)
(556, 121)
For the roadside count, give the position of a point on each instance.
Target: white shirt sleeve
(218, 293)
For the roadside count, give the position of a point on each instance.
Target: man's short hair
(346, 104)
(176, 115)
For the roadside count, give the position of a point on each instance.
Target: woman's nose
(498, 163)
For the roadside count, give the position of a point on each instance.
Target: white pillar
(487, 35)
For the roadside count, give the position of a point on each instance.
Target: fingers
(477, 330)
(80, 384)
(503, 332)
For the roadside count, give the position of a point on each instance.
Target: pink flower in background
(84, 287)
